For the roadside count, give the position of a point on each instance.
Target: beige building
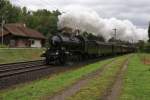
(18, 35)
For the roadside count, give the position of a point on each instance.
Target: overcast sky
(137, 11)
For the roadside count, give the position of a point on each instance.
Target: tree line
(42, 20)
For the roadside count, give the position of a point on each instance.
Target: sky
(137, 11)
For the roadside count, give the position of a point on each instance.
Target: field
(137, 80)
(16, 55)
(97, 86)
(92, 82)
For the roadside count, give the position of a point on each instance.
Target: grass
(144, 56)
(137, 80)
(46, 87)
(3, 46)
(96, 87)
(16, 55)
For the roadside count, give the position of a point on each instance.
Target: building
(18, 35)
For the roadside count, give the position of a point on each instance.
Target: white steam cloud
(88, 20)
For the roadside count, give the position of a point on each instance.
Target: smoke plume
(88, 20)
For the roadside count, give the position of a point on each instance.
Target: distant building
(18, 35)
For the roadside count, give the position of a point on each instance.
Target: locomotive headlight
(57, 53)
(67, 52)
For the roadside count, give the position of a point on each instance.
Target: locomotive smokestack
(77, 32)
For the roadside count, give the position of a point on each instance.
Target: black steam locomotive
(63, 48)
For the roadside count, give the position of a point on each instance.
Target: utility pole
(149, 32)
(132, 41)
(115, 30)
(2, 30)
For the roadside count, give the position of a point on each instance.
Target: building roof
(21, 30)
(4, 32)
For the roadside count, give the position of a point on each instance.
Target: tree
(42, 20)
(141, 45)
(10, 13)
(4, 5)
(91, 36)
(149, 32)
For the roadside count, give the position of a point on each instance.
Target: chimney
(24, 25)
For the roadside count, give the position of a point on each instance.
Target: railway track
(15, 73)
(10, 69)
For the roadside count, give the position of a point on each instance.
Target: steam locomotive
(63, 48)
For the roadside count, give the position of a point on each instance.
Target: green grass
(137, 80)
(96, 87)
(46, 87)
(16, 55)
(3, 46)
(144, 56)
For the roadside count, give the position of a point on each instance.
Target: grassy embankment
(47, 87)
(137, 80)
(16, 55)
(96, 87)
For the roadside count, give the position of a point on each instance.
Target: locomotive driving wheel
(47, 60)
(62, 59)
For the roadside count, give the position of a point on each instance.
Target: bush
(3, 46)
(147, 48)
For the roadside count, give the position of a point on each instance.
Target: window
(32, 41)
(12, 43)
